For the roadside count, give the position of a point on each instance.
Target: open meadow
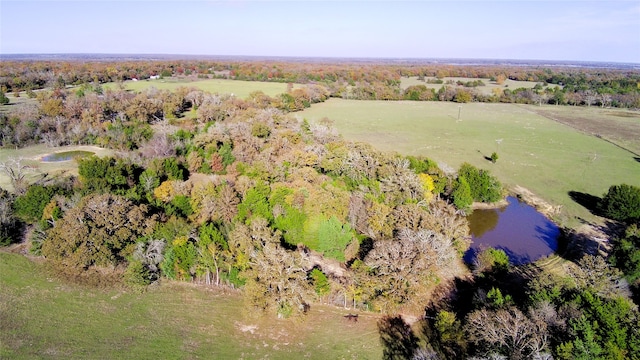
(238, 88)
(43, 317)
(545, 156)
(487, 89)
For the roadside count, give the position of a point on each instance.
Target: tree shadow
(488, 158)
(397, 337)
(573, 245)
(590, 202)
(636, 158)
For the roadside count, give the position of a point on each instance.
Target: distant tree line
(370, 81)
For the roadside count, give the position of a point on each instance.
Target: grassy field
(241, 89)
(405, 82)
(42, 317)
(540, 154)
(31, 156)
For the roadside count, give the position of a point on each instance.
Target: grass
(239, 88)
(42, 317)
(405, 82)
(540, 154)
(31, 156)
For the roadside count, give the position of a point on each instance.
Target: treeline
(582, 86)
(122, 120)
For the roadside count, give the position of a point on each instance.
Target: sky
(571, 30)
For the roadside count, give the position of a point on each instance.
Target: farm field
(239, 88)
(42, 317)
(31, 156)
(547, 157)
(405, 82)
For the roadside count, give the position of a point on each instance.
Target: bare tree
(509, 331)
(17, 171)
(590, 97)
(605, 99)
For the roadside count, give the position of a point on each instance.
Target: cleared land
(620, 127)
(405, 82)
(540, 154)
(41, 317)
(238, 88)
(31, 156)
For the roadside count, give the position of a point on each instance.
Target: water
(518, 229)
(66, 155)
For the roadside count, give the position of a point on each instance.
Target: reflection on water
(66, 155)
(518, 229)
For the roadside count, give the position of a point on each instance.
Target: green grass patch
(32, 156)
(547, 157)
(42, 317)
(238, 88)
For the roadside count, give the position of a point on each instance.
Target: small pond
(66, 156)
(518, 229)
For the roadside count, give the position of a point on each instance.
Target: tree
(404, 267)
(622, 203)
(462, 96)
(462, 197)
(276, 279)
(100, 231)
(30, 206)
(483, 186)
(10, 226)
(507, 331)
(494, 157)
(17, 171)
(4, 100)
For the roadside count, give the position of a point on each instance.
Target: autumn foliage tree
(100, 231)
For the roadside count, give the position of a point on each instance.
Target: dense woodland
(230, 192)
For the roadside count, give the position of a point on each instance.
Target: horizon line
(74, 55)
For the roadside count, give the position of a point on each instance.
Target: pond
(522, 232)
(66, 156)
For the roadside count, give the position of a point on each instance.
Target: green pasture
(405, 82)
(544, 156)
(42, 317)
(238, 88)
(32, 155)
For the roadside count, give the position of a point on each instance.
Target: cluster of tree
(122, 120)
(583, 312)
(356, 80)
(506, 314)
(622, 203)
(252, 197)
